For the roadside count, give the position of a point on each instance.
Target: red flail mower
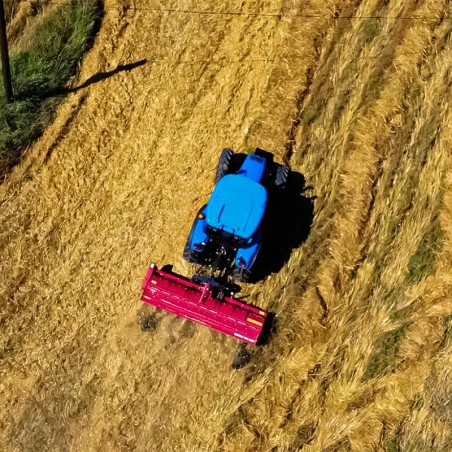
(203, 303)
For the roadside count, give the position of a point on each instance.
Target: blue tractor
(227, 232)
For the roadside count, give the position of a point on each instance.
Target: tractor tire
(189, 255)
(224, 163)
(282, 174)
(242, 275)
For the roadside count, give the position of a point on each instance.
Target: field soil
(360, 275)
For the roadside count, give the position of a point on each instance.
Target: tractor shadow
(286, 226)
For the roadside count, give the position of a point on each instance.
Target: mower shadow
(286, 226)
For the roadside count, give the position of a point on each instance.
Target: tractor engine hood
(237, 205)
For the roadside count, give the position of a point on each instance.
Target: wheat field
(355, 96)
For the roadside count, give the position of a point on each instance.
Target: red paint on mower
(198, 302)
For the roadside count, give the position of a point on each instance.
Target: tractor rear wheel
(224, 163)
(242, 274)
(189, 255)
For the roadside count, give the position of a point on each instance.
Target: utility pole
(5, 56)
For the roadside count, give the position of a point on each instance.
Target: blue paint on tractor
(237, 205)
(253, 168)
(246, 255)
(198, 235)
(227, 232)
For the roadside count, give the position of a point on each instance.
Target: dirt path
(115, 182)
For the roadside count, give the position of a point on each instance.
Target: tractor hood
(237, 205)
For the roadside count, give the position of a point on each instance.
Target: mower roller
(225, 240)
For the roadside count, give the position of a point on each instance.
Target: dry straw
(361, 358)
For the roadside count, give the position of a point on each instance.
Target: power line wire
(249, 14)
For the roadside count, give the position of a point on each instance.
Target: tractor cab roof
(237, 205)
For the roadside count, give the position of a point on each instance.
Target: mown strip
(40, 73)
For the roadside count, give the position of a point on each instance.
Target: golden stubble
(361, 108)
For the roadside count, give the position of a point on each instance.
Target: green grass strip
(40, 74)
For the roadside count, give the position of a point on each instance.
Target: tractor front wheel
(224, 163)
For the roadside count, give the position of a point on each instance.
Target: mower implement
(203, 303)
